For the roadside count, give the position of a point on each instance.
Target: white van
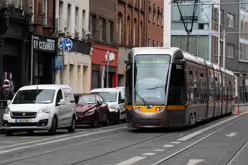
(41, 107)
(114, 97)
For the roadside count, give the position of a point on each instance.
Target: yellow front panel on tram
(143, 109)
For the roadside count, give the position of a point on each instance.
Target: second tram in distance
(168, 87)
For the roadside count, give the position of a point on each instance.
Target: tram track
(173, 155)
(236, 153)
(85, 144)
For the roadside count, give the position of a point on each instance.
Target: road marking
(189, 136)
(158, 150)
(175, 142)
(232, 134)
(191, 145)
(131, 161)
(53, 140)
(168, 145)
(149, 154)
(194, 161)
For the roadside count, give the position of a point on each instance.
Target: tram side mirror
(182, 61)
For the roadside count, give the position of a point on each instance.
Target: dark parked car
(92, 109)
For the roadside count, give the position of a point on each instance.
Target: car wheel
(117, 119)
(53, 128)
(9, 132)
(107, 120)
(72, 128)
(95, 122)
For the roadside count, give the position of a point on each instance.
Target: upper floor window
(230, 50)
(120, 27)
(150, 12)
(154, 14)
(230, 20)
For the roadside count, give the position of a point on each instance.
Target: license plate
(23, 121)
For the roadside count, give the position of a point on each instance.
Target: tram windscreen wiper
(154, 87)
(142, 99)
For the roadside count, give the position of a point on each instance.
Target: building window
(128, 30)
(120, 28)
(158, 16)
(69, 18)
(153, 43)
(111, 32)
(148, 42)
(134, 32)
(45, 12)
(230, 20)
(140, 34)
(102, 29)
(161, 44)
(93, 26)
(150, 12)
(243, 54)
(230, 50)
(154, 14)
(162, 17)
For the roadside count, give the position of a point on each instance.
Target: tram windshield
(150, 78)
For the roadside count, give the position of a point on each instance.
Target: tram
(171, 88)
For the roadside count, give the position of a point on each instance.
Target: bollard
(238, 108)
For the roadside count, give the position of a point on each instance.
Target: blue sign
(67, 43)
(58, 63)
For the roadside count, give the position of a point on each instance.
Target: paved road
(212, 143)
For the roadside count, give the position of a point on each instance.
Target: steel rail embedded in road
(63, 148)
(119, 149)
(191, 145)
(238, 151)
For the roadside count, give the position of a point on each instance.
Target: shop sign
(42, 43)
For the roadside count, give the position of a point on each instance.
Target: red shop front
(99, 60)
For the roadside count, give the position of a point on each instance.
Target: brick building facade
(102, 28)
(131, 29)
(43, 44)
(155, 23)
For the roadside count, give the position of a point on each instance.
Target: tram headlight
(138, 109)
(159, 109)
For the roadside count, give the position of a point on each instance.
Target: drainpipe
(54, 15)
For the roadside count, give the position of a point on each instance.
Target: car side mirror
(62, 102)
(121, 101)
(8, 102)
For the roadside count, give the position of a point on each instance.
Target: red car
(91, 109)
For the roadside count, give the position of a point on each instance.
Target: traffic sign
(67, 43)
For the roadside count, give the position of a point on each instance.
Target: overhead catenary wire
(189, 3)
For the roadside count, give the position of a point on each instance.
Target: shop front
(101, 69)
(76, 70)
(44, 51)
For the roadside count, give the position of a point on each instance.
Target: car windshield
(108, 96)
(86, 99)
(37, 96)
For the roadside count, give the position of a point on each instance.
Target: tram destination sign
(153, 60)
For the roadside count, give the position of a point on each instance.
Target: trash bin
(3, 104)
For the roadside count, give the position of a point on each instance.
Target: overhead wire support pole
(219, 35)
(188, 31)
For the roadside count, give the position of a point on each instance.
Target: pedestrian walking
(7, 92)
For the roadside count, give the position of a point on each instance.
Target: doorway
(43, 68)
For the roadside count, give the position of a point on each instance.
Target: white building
(73, 21)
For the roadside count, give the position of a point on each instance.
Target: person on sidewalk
(7, 92)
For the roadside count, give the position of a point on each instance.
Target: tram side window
(202, 89)
(217, 90)
(177, 86)
(190, 86)
(211, 86)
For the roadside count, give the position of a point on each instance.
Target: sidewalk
(243, 108)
